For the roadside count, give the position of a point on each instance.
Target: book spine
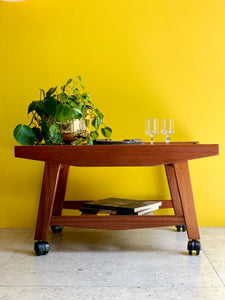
(106, 211)
(124, 210)
(153, 206)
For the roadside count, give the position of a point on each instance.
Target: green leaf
(87, 123)
(57, 138)
(48, 139)
(24, 135)
(72, 103)
(63, 113)
(63, 88)
(54, 129)
(40, 108)
(89, 140)
(79, 77)
(45, 128)
(107, 131)
(33, 105)
(89, 101)
(96, 122)
(81, 105)
(85, 96)
(90, 107)
(77, 113)
(50, 92)
(62, 97)
(81, 84)
(42, 92)
(94, 134)
(79, 142)
(50, 106)
(38, 134)
(99, 114)
(72, 97)
(69, 81)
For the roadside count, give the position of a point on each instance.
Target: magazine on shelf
(123, 206)
(92, 210)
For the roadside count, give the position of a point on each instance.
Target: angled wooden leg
(174, 192)
(187, 199)
(61, 191)
(48, 192)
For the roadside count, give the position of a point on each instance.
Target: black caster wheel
(56, 229)
(41, 248)
(194, 245)
(181, 228)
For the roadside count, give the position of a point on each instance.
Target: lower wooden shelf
(117, 222)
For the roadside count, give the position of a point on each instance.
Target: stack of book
(119, 206)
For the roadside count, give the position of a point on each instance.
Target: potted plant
(62, 116)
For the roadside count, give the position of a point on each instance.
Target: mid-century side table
(59, 158)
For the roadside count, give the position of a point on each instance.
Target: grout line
(214, 268)
(113, 286)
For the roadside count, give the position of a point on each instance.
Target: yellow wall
(138, 59)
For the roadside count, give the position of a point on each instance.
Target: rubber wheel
(181, 228)
(41, 248)
(194, 245)
(56, 229)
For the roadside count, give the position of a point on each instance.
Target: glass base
(167, 139)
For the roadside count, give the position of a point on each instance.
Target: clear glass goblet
(151, 128)
(167, 128)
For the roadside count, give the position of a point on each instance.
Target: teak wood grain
(61, 191)
(116, 222)
(187, 199)
(116, 155)
(57, 160)
(48, 191)
(174, 191)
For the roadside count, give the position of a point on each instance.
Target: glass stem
(151, 139)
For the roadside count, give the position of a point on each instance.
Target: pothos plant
(54, 114)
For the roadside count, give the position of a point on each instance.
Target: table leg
(187, 199)
(174, 192)
(175, 195)
(61, 191)
(48, 192)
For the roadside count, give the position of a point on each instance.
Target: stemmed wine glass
(167, 128)
(151, 128)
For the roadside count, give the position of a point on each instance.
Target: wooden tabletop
(117, 155)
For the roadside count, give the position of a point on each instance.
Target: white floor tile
(112, 293)
(213, 243)
(98, 264)
(10, 241)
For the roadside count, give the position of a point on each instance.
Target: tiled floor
(97, 264)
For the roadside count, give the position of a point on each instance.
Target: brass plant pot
(69, 137)
(76, 131)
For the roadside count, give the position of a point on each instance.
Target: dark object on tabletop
(111, 142)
